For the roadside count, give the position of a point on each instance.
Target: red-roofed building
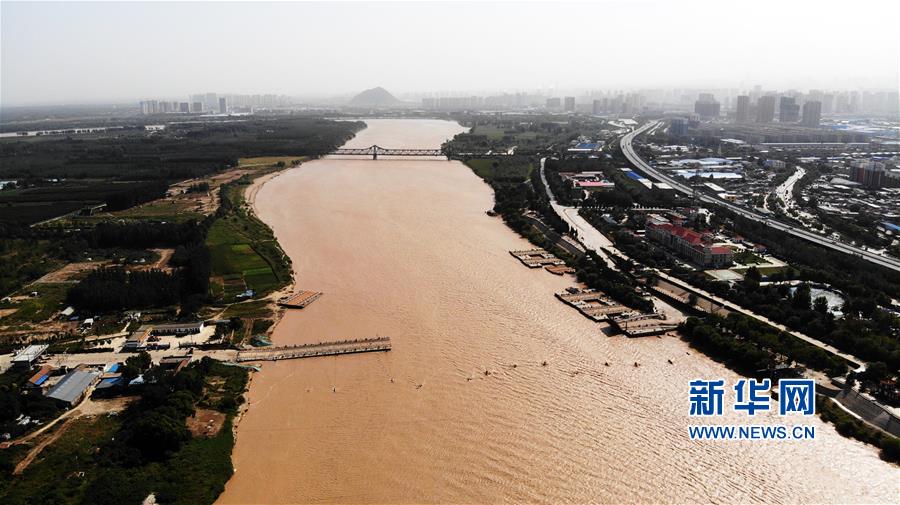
(595, 185)
(690, 244)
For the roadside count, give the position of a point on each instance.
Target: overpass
(628, 150)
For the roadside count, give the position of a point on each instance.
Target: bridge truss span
(376, 151)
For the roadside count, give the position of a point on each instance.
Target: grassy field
(166, 209)
(34, 310)
(42, 482)
(494, 132)
(748, 258)
(770, 270)
(256, 308)
(491, 169)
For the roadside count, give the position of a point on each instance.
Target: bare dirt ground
(206, 423)
(165, 255)
(70, 273)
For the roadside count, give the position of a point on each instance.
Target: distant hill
(375, 97)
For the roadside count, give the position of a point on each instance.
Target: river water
(403, 248)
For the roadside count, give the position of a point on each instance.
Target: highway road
(640, 164)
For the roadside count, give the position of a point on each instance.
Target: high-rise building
(788, 110)
(812, 113)
(197, 107)
(828, 104)
(598, 107)
(183, 107)
(765, 109)
(868, 173)
(706, 106)
(679, 127)
(570, 104)
(553, 103)
(222, 106)
(742, 112)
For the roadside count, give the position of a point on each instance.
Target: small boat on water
(260, 341)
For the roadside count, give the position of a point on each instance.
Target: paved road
(589, 236)
(640, 164)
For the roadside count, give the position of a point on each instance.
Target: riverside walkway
(314, 350)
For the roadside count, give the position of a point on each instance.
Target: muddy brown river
(403, 248)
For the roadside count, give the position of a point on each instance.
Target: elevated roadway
(628, 150)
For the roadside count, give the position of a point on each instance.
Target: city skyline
(285, 48)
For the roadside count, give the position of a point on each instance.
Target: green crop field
(244, 252)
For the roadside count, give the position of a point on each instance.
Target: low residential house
(174, 363)
(39, 379)
(136, 342)
(178, 329)
(692, 245)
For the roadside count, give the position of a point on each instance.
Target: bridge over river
(376, 151)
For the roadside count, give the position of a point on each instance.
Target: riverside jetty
(300, 351)
(300, 300)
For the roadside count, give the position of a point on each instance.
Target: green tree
(140, 361)
(802, 297)
(820, 305)
(752, 278)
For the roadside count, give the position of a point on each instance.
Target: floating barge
(300, 351)
(537, 258)
(559, 269)
(641, 324)
(593, 304)
(300, 300)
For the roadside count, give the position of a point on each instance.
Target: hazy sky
(82, 52)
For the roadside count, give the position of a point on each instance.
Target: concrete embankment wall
(869, 410)
(553, 236)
